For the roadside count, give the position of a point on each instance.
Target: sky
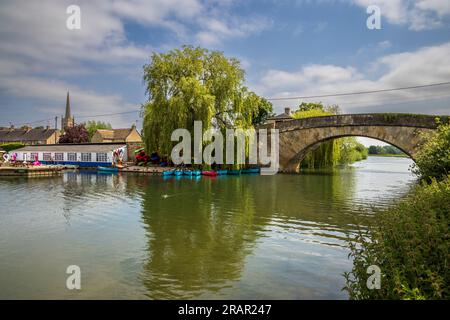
(287, 49)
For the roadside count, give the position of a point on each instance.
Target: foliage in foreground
(410, 243)
(433, 158)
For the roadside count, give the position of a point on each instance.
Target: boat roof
(72, 147)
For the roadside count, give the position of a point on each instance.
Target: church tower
(67, 121)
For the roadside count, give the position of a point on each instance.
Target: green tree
(327, 154)
(189, 84)
(93, 126)
(433, 157)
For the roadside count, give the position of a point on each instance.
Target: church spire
(67, 106)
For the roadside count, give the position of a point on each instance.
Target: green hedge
(11, 146)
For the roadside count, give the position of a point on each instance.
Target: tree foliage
(75, 134)
(333, 152)
(433, 158)
(410, 243)
(93, 126)
(189, 84)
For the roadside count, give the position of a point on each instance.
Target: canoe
(234, 172)
(222, 172)
(108, 169)
(167, 173)
(209, 173)
(251, 170)
(187, 172)
(196, 173)
(178, 172)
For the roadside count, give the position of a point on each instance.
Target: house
(29, 136)
(285, 116)
(116, 135)
(83, 155)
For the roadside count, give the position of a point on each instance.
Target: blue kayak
(234, 172)
(251, 170)
(188, 172)
(108, 169)
(178, 172)
(222, 172)
(167, 173)
(196, 173)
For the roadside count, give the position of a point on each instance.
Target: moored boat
(209, 173)
(234, 172)
(222, 172)
(250, 170)
(178, 172)
(196, 173)
(108, 169)
(167, 173)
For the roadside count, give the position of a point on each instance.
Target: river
(140, 237)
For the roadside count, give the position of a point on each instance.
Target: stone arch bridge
(300, 136)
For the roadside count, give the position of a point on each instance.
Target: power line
(360, 92)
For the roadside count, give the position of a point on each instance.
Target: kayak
(167, 173)
(234, 172)
(209, 173)
(178, 172)
(196, 173)
(187, 172)
(251, 170)
(222, 172)
(107, 169)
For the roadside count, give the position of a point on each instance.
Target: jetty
(35, 171)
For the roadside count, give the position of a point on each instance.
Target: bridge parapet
(374, 119)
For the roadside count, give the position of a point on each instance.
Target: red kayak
(209, 173)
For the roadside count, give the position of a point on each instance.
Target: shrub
(410, 243)
(433, 158)
(11, 146)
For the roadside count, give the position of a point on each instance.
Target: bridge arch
(298, 137)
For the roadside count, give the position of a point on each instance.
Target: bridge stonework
(300, 136)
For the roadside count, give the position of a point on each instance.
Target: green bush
(433, 158)
(11, 146)
(410, 243)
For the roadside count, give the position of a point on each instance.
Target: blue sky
(287, 48)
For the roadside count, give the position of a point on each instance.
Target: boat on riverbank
(108, 169)
(36, 171)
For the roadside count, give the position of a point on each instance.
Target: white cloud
(424, 66)
(36, 46)
(416, 14)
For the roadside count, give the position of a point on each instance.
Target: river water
(141, 237)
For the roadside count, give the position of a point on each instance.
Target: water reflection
(139, 236)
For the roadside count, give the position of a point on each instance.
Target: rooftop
(18, 135)
(115, 134)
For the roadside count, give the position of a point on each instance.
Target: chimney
(287, 111)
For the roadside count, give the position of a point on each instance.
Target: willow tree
(194, 84)
(328, 153)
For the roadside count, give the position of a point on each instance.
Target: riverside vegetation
(410, 242)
